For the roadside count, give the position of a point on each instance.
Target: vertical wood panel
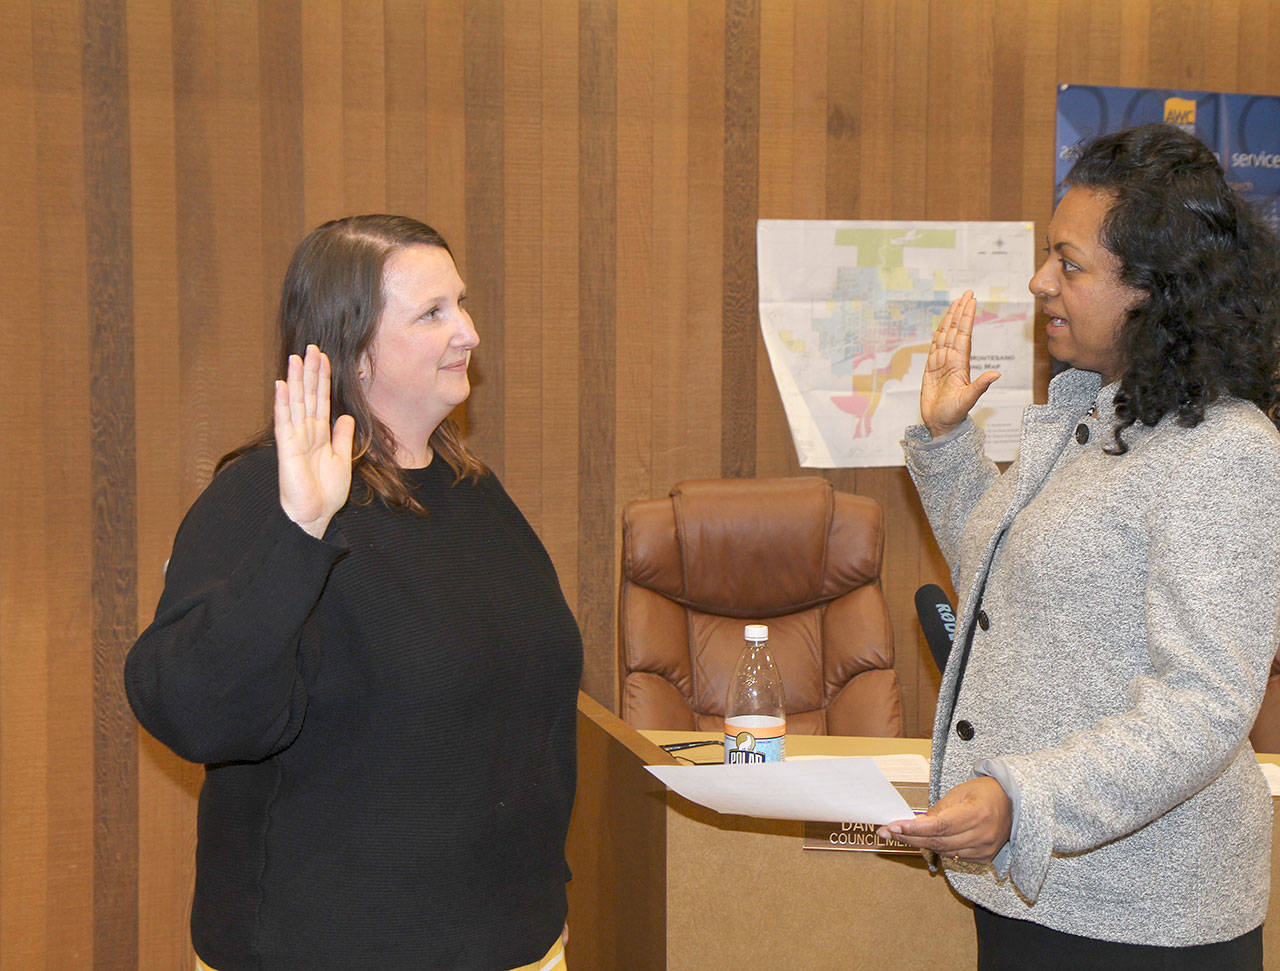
(364, 101)
(561, 321)
(522, 251)
(1259, 41)
(636, 246)
(843, 32)
(778, 175)
(405, 42)
(740, 321)
(114, 481)
(483, 64)
(597, 269)
(678, 367)
(444, 69)
(67, 565)
(23, 633)
(598, 167)
(232, 340)
(280, 125)
(324, 171)
(166, 785)
(704, 299)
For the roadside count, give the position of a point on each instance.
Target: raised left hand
(971, 822)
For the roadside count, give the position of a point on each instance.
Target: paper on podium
(850, 790)
(1272, 774)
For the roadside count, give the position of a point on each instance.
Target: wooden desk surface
(813, 744)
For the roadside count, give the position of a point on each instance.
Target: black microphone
(937, 620)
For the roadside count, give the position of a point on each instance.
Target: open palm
(314, 461)
(946, 393)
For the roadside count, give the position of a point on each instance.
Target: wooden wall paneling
(1216, 36)
(705, 296)
(740, 316)
(1181, 49)
(166, 784)
(794, 57)
(446, 132)
(60, 499)
(843, 35)
(114, 480)
(812, 77)
(483, 67)
(879, 151)
(1039, 116)
(959, 109)
(1007, 124)
(560, 319)
(777, 109)
(775, 454)
(1131, 37)
(678, 364)
(407, 52)
(324, 162)
(282, 223)
(636, 244)
(597, 357)
(23, 609)
(1259, 40)
(913, 141)
(364, 106)
(1089, 39)
(234, 364)
(522, 250)
(203, 391)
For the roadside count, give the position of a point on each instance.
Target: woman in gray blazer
(1095, 793)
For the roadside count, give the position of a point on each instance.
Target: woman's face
(1080, 289)
(415, 371)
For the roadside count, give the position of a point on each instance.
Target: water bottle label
(754, 738)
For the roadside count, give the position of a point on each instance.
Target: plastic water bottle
(755, 719)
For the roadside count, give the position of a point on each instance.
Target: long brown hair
(332, 297)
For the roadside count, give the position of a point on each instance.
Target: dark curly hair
(1210, 269)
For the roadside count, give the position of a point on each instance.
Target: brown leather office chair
(1265, 736)
(791, 553)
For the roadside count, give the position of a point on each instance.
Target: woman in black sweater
(365, 642)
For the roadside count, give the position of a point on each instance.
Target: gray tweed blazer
(1130, 608)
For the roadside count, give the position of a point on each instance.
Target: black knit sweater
(388, 719)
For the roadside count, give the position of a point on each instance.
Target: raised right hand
(946, 393)
(314, 462)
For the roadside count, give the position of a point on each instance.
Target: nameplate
(861, 837)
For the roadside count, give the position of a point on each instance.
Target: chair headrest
(753, 547)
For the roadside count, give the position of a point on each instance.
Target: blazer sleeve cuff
(996, 769)
(1031, 839)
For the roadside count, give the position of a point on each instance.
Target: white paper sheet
(820, 790)
(1271, 772)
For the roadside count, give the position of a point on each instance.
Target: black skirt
(1007, 944)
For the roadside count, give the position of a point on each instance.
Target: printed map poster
(848, 311)
(1243, 130)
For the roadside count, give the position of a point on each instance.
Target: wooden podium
(659, 882)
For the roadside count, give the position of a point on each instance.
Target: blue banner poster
(1243, 130)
